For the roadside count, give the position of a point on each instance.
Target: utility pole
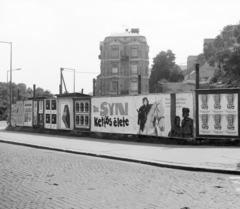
(139, 84)
(197, 75)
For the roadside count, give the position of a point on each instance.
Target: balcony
(124, 58)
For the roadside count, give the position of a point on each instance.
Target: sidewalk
(196, 158)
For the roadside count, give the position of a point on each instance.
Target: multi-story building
(124, 64)
(191, 61)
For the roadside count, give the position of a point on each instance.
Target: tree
(224, 50)
(24, 93)
(175, 74)
(164, 67)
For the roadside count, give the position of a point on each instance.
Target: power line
(82, 72)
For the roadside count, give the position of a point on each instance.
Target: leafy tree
(175, 74)
(224, 50)
(24, 93)
(201, 59)
(164, 67)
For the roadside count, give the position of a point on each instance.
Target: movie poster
(47, 121)
(50, 114)
(53, 121)
(65, 116)
(144, 115)
(14, 115)
(40, 113)
(35, 118)
(218, 114)
(28, 113)
(47, 106)
(82, 114)
(19, 113)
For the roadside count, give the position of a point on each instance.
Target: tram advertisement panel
(156, 115)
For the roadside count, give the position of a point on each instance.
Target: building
(124, 64)
(191, 60)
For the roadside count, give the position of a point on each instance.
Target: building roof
(72, 95)
(125, 34)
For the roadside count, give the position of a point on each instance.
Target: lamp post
(12, 70)
(10, 112)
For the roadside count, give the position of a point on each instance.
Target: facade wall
(191, 60)
(123, 58)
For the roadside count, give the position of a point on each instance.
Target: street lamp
(10, 112)
(12, 70)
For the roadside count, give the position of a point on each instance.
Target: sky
(49, 34)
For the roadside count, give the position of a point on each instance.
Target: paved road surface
(34, 178)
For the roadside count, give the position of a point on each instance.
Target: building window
(134, 69)
(115, 53)
(114, 69)
(134, 86)
(114, 85)
(134, 52)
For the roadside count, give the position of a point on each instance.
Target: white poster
(40, 107)
(144, 115)
(28, 113)
(19, 113)
(35, 119)
(218, 114)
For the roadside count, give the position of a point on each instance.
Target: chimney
(135, 30)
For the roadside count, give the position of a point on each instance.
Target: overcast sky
(49, 34)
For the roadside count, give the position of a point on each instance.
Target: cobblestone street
(35, 178)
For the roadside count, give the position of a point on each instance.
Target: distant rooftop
(125, 34)
(133, 32)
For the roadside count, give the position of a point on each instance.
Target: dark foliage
(164, 67)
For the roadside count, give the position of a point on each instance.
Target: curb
(156, 164)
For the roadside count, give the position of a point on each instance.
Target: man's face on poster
(145, 102)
